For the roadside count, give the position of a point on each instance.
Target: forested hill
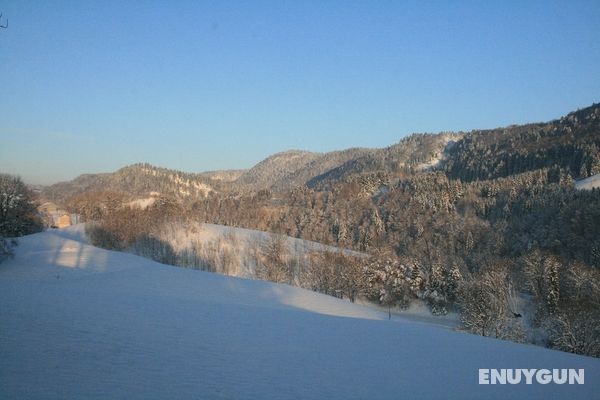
(275, 168)
(571, 143)
(140, 180)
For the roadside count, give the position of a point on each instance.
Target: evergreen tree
(453, 280)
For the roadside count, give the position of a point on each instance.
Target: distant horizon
(193, 86)
(277, 152)
(281, 152)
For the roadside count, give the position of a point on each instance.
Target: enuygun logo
(515, 376)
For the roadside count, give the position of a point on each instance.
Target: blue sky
(93, 86)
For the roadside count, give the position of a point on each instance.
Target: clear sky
(91, 86)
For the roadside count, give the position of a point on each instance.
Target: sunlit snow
(78, 322)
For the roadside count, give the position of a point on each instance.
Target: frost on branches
(395, 283)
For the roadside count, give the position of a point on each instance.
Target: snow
(142, 203)
(80, 322)
(588, 183)
(446, 143)
(240, 241)
(417, 312)
(431, 164)
(249, 237)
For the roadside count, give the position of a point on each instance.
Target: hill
(570, 143)
(274, 168)
(81, 322)
(317, 166)
(228, 175)
(417, 152)
(140, 180)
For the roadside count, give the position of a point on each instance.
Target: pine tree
(436, 291)
(595, 166)
(416, 280)
(469, 242)
(453, 280)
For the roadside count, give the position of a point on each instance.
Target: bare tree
(274, 264)
(575, 332)
(486, 307)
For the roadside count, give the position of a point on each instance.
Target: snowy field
(588, 183)
(239, 246)
(78, 322)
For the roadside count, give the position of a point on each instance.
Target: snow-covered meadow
(80, 322)
(240, 244)
(592, 182)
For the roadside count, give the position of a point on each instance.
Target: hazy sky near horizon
(91, 86)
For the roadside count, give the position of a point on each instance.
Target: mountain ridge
(570, 141)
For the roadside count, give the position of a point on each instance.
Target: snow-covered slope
(589, 183)
(241, 244)
(79, 322)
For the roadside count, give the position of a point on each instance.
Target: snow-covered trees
(480, 308)
(571, 321)
(388, 283)
(542, 279)
(575, 332)
(154, 248)
(17, 212)
(552, 296)
(442, 288)
(435, 293)
(394, 282)
(335, 273)
(273, 263)
(486, 304)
